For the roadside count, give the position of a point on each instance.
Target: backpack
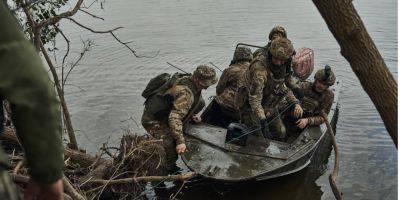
(161, 83)
(157, 103)
(154, 84)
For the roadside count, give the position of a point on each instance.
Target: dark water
(188, 33)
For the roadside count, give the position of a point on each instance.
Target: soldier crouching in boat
(316, 99)
(169, 107)
(262, 88)
(222, 110)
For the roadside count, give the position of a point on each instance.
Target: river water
(192, 32)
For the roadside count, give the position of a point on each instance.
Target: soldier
(262, 89)
(290, 80)
(222, 110)
(167, 123)
(276, 32)
(25, 84)
(317, 97)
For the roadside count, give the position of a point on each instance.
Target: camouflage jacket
(227, 86)
(263, 91)
(313, 103)
(186, 101)
(25, 83)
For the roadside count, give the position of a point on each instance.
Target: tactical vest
(227, 98)
(240, 68)
(160, 104)
(311, 99)
(274, 90)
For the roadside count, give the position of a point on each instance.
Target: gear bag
(157, 103)
(155, 84)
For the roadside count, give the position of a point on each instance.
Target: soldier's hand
(35, 190)
(180, 148)
(298, 111)
(196, 119)
(302, 123)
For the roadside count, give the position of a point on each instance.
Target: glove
(264, 129)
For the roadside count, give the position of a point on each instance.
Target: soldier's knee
(282, 131)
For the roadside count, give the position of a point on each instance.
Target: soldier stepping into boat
(222, 110)
(169, 107)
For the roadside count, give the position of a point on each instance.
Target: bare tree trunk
(36, 33)
(365, 60)
(67, 118)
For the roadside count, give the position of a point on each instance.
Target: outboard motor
(237, 134)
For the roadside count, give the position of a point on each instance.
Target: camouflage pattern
(264, 92)
(277, 31)
(24, 82)
(227, 86)
(326, 76)
(186, 101)
(206, 75)
(313, 103)
(260, 96)
(261, 52)
(281, 48)
(242, 54)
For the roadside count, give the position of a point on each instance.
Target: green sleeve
(25, 84)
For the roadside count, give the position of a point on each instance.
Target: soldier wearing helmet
(263, 88)
(280, 32)
(276, 32)
(165, 121)
(222, 111)
(317, 97)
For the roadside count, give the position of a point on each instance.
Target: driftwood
(68, 188)
(179, 177)
(334, 174)
(138, 159)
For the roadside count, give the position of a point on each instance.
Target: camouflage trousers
(160, 130)
(276, 127)
(8, 190)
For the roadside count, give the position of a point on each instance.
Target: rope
(268, 123)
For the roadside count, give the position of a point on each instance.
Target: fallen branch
(71, 191)
(68, 188)
(334, 174)
(179, 177)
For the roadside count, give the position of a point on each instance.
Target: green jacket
(24, 82)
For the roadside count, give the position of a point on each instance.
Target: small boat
(211, 157)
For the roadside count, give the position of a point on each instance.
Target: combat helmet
(242, 54)
(281, 48)
(326, 76)
(205, 75)
(276, 32)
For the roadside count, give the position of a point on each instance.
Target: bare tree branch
(94, 16)
(53, 20)
(92, 30)
(86, 47)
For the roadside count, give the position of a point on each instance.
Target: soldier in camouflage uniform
(276, 32)
(290, 80)
(263, 89)
(185, 94)
(222, 110)
(317, 98)
(24, 82)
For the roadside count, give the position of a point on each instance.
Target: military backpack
(157, 103)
